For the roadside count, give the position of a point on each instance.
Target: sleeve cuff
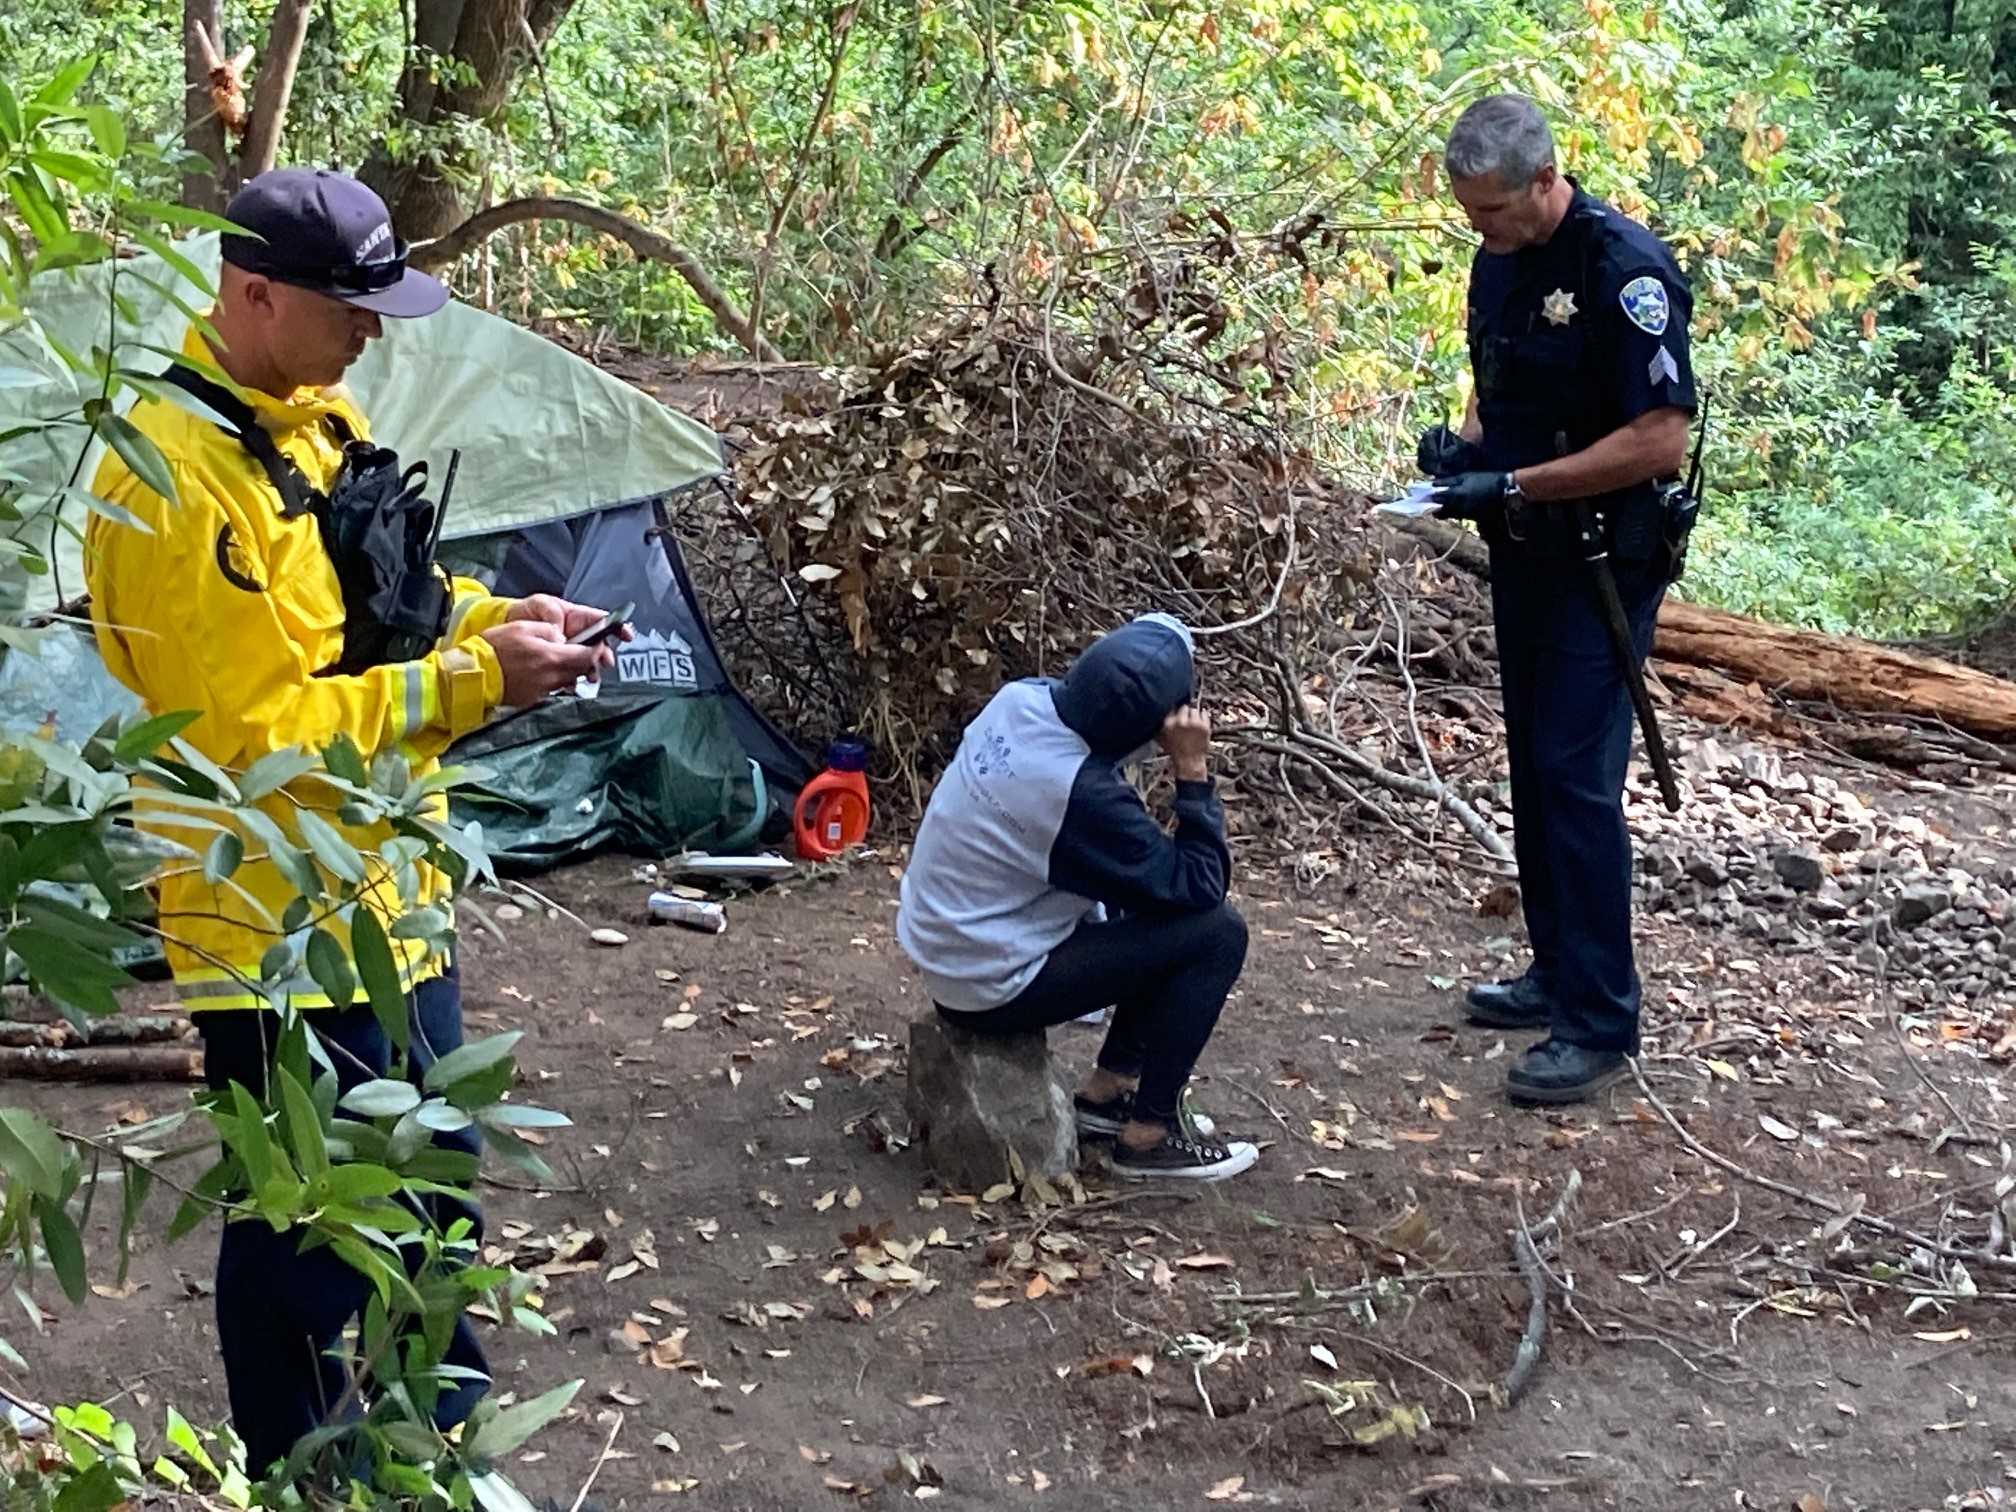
(472, 685)
(476, 610)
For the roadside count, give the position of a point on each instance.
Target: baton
(1597, 555)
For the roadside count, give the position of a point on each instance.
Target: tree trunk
(1854, 675)
(488, 43)
(277, 65)
(1836, 669)
(117, 1063)
(201, 130)
(204, 49)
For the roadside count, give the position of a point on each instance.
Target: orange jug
(832, 811)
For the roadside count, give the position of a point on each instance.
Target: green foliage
(79, 838)
(359, 1181)
(837, 171)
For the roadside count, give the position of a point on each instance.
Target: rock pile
(1798, 862)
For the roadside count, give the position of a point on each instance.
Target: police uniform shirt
(1575, 338)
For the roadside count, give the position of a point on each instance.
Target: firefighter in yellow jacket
(234, 608)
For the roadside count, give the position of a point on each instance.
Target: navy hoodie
(1033, 829)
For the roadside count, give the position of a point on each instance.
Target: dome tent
(565, 483)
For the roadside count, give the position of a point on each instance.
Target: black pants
(281, 1311)
(1166, 977)
(1568, 727)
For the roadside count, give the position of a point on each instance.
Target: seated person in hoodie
(1040, 887)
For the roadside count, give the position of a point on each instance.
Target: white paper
(1417, 501)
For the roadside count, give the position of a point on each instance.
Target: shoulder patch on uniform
(1644, 302)
(230, 562)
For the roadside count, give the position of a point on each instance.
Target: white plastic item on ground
(700, 864)
(23, 1422)
(708, 918)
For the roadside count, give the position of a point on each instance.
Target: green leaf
(135, 1184)
(470, 1060)
(382, 1098)
(292, 862)
(277, 964)
(107, 129)
(62, 89)
(274, 771)
(522, 1116)
(304, 1129)
(330, 969)
(441, 1117)
(37, 209)
(204, 766)
(138, 452)
(362, 1183)
(66, 1249)
(31, 1153)
(11, 129)
(499, 1435)
(372, 953)
(330, 848)
(421, 924)
(66, 971)
(182, 215)
(370, 1265)
(66, 920)
(184, 1438)
(210, 1188)
(343, 759)
(94, 1490)
(253, 1145)
(83, 173)
(148, 736)
(225, 855)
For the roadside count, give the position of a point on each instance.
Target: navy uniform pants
(281, 1311)
(1568, 730)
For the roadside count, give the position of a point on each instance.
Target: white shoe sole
(1239, 1156)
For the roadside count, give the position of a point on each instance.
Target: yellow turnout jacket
(230, 611)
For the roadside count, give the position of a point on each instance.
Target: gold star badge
(1558, 307)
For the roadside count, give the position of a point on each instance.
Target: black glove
(1441, 452)
(1467, 495)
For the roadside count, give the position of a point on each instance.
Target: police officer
(1582, 399)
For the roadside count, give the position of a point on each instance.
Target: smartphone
(603, 628)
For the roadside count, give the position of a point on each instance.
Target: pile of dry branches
(983, 503)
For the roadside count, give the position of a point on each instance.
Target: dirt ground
(738, 1103)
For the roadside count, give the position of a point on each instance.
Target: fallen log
(1848, 674)
(105, 1064)
(125, 1029)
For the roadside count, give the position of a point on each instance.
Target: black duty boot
(1555, 1071)
(1521, 1003)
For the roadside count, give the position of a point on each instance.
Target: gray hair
(1504, 136)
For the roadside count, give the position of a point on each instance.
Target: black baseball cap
(324, 231)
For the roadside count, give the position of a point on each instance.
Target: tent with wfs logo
(568, 483)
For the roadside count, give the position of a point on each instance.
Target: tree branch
(638, 237)
(277, 66)
(202, 131)
(895, 235)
